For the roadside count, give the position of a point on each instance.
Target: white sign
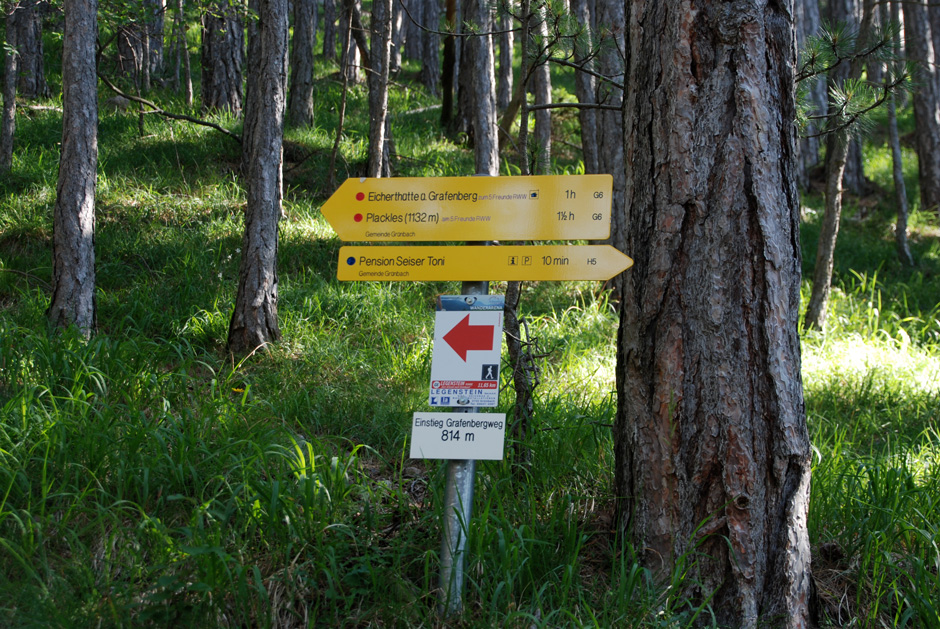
(461, 436)
(467, 347)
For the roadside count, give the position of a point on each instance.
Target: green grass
(145, 478)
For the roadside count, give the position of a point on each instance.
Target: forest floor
(147, 478)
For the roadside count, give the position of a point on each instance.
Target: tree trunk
(300, 99)
(839, 155)
(31, 81)
(73, 231)
(449, 65)
(504, 81)
(155, 13)
(378, 83)
(542, 88)
(254, 322)
(329, 29)
(808, 22)
(223, 41)
(482, 88)
(919, 45)
(10, 69)
(712, 450)
(818, 306)
(431, 48)
(610, 63)
(897, 170)
(585, 85)
(183, 44)
(397, 33)
(846, 12)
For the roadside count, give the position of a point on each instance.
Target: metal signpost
(468, 330)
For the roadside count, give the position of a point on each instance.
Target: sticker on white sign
(460, 436)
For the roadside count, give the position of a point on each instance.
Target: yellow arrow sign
(478, 263)
(550, 207)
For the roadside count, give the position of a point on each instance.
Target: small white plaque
(463, 436)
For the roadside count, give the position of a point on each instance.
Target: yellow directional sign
(479, 263)
(550, 207)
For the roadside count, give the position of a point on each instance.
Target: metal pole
(458, 508)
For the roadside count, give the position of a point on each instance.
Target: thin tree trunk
(926, 102)
(73, 231)
(542, 87)
(397, 34)
(449, 65)
(187, 69)
(10, 69)
(818, 306)
(897, 170)
(431, 48)
(254, 322)
(482, 87)
(378, 83)
(808, 21)
(585, 86)
(506, 41)
(300, 98)
(838, 155)
(609, 14)
(711, 444)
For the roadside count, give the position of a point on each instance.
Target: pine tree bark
(300, 98)
(10, 70)
(254, 322)
(329, 29)
(31, 78)
(506, 39)
(482, 88)
(431, 48)
(919, 44)
(808, 21)
(848, 13)
(711, 444)
(585, 85)
(892, 14)
(73, 231)
(610, 16)
(223, 55)
(542, 88)
(378, 84)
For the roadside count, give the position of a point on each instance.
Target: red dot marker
(360, 196)
(358, 218)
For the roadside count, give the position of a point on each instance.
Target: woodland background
(149, 475)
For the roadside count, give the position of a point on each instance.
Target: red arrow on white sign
(464, 338)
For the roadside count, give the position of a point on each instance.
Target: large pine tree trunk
(300, 99)
(254, 322)
(712, 450)
(73, 238)
(223, 54)
(329, 28)
(919, 43)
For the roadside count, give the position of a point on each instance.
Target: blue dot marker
(350, 260)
